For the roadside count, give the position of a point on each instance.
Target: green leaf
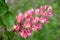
(3, 7)
(8, 19)
(2, 0)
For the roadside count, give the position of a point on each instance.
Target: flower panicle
(32, 20)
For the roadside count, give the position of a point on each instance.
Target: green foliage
(3, 7)
(8, 19)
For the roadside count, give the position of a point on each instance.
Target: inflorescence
(32, 20)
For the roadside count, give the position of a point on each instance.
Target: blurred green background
(50, 31)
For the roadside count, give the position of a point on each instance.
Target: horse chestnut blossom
(32, 20)
(28, 13)
(27, 24)
(20, 17)
(37, 11)
(43, 20)
(16, 27)
(36, 27)
(36, 20)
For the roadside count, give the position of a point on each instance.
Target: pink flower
(29, 13)
(23, 34)
(39, 26)
(19, 17)
(29, 33)
(43, 20)
(37, 11)
(43, 8)
(36, 20)
(26, 14)
(34, 28)
(27, 24)
(45, 14)
(50, 11)
(16, 27)
(50, 14)
(30, 18)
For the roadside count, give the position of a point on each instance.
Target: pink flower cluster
(32, 20)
